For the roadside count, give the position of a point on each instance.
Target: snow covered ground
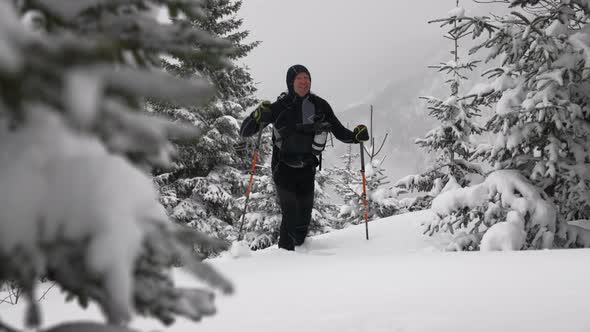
(397, 281)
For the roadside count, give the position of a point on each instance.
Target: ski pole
(364, 190)
(254, 159)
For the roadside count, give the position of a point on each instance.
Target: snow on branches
(476, 209)
(77, 204)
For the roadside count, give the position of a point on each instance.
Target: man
(300, 121)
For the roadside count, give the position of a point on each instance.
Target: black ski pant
(295, 188)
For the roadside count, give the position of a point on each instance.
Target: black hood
(292, 72)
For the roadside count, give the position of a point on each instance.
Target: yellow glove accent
(263, 110)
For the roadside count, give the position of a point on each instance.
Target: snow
(515, 193)
(369, 169)
(381, 195)
(574, 233)
(581, 41)
(452, 184)
(345, 210)
(305, 247)
(555, 75)
(556, 28)
(508, 235)
(406, 202)
(84, 96)
(451, 101)
(399, 280)
(504, 81)
(509, 102)
(584, 223)
(437, 187)
(458, 12)
(240, 249)
(50, 173)
(405, 182)
(481, 90)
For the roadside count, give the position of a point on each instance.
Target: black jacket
(287, 117)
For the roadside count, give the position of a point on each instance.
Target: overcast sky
(351, 48)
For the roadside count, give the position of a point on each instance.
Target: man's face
(302, 84)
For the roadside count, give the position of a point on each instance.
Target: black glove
(241, 146)
(262, 114)
(361, 134)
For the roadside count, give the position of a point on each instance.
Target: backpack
(303, 140)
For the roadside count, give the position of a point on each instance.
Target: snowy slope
(396, 281)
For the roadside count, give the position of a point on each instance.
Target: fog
(359, 53)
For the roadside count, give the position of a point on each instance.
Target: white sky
(351, 48)
(399, 280)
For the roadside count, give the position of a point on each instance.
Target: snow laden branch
(540, 108)
(77, 204)
(481, 211)
(464, 25)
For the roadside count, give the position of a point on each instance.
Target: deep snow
(399, 280)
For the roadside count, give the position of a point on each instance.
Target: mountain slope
(400, 113)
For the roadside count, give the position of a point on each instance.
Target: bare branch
(7, 299)
(382, 143)
(46, 291)
(382, 160)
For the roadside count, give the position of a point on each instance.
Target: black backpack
(296, 143)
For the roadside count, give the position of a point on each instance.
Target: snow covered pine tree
(342, 179)
(204, 187)
(72, 149)
(451, 140)
(541, 100)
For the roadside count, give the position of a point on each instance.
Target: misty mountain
(398, 112)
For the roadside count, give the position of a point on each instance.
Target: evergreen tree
(540, 99)
(382, 195)
(540, 94)
(205, 182)
(235, 89)
(342, 180)
(381, 198)
(263, 215)
(324, 214)
(347, 182)
(451, 140)
(344, 175)
(71, 192)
